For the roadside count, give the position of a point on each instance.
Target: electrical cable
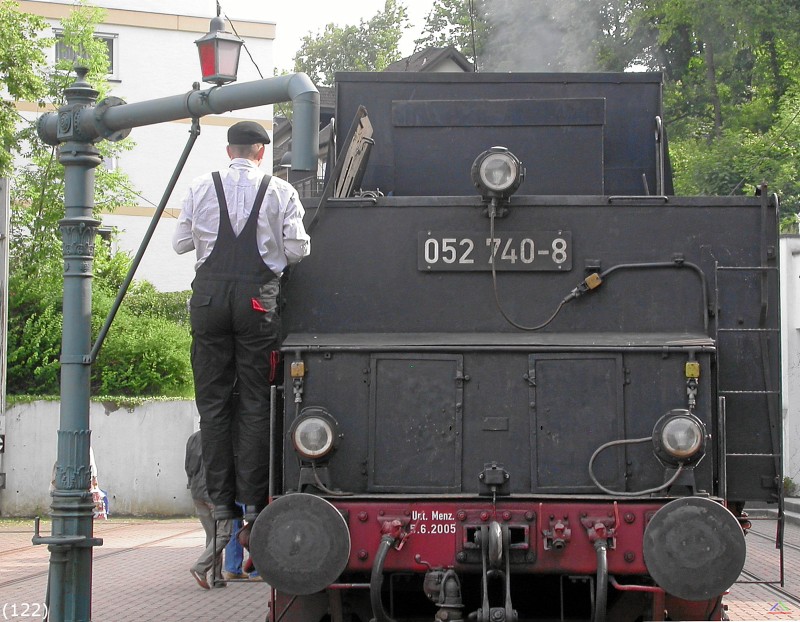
(318, 483)
(492, 210)
(649, 491)
(676, 263)
(594, 281)
(472, 32)
(244, 44)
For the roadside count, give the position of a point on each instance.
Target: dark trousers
(235, 326)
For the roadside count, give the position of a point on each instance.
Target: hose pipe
(601, 587)
(376, 580)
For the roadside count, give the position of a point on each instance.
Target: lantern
(219, 53)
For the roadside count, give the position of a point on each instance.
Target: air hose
(376, 580)
(601, 587)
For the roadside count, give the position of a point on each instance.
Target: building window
(65, 52)
(110, 163)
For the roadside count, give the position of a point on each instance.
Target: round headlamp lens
(682, 437)
(498, 171)
(313, 437)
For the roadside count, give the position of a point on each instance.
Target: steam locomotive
(523, 380)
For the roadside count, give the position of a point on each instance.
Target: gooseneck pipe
(112, 118)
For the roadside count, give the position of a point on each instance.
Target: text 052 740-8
(509, 250)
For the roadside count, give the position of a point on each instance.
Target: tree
(146, 353)
(370, 46)
(730, 93)
(22, 65)
(37, 190)
(459, 23)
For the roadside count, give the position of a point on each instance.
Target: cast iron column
(71, 542)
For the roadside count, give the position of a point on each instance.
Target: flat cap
(247, 133)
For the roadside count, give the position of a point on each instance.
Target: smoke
(539, 35)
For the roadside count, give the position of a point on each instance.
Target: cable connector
(593, 281)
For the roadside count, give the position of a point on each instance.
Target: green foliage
(370, 46)
(34, 327)
(147, 350)
(144, 300)
(38, 185)
(22, 64)
(34, 346)
(143, 355)
(453, 23)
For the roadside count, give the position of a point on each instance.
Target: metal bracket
(493, 479)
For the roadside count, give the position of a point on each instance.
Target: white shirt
(280, 234)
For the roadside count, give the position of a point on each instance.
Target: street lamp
(219, 53)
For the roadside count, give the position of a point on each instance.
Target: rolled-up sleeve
(296, 242)
(182, 241)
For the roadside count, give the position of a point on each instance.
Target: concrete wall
(139, 455)
(790, 353)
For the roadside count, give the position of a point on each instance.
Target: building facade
(790, 355)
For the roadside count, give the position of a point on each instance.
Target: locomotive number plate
(512, 250)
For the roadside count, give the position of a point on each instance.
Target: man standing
(245, 227)
(211, 557)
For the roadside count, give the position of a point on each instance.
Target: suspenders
(223, 204)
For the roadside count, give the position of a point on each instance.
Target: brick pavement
(748, 601)
(141, 574)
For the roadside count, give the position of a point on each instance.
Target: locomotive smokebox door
(300, 544)
(694, 548)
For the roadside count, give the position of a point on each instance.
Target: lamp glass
(208, 64)
(228, 57)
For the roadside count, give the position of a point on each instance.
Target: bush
(144, 299)
(34, 347)
(144, 356)
(34, 331)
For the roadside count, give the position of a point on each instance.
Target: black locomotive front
(520, 398)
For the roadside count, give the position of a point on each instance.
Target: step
(791, 510)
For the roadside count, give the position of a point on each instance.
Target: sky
(295, 18)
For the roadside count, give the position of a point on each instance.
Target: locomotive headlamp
(679, 437)
(497, 173)
(314, 433)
